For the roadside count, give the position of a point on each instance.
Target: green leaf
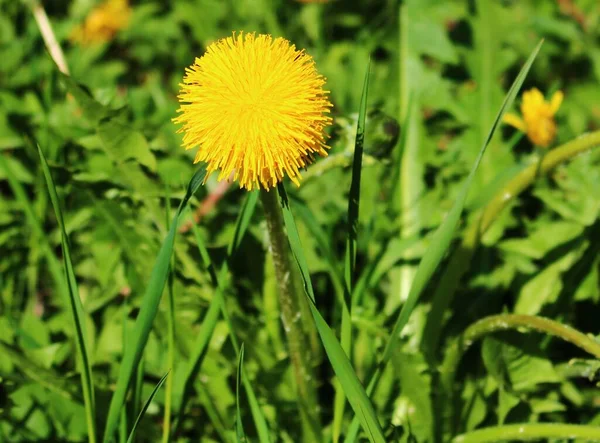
(131, 437)
(515, 366)
(124, 143)
(149, 308)
(413, 376)
(75, 308)
(92, 110)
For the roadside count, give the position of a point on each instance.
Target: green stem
(504, 322)
(290, 302)
(170, 362)
(461, 259)
(490, 325)
(537, 431)
(170, 340)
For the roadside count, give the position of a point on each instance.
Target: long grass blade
(239, 428)
(75, 308)
(243, 222)
(339, 360)
(148, 310)
(35, 225)
(442, 238)
(170, 336)
(212, 316)
(131, 437)
(350, 257)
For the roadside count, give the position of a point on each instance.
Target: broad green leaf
(516, 366)
(124, 143)
(92, 110)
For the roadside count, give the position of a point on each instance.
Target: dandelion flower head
(103, 23)
(254, 107)
(538, 117)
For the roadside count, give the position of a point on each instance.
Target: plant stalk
(502, 322)
(536, 431)
(290, 302)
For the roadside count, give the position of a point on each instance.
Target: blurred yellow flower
(103, 23)
(538, 117)
(254, 106)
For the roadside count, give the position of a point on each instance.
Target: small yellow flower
(538, 117)
(103, 23)
(254, 106)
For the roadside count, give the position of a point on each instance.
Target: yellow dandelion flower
(538, 117)
(255, 107)
(103, 23)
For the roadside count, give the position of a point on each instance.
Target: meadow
(387, 232)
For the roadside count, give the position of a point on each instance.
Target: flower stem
(535, 431)
(490, 325)
(461, 258)
(503, 322)
(290, 304)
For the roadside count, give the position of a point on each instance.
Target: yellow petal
(515, 121)
(556, 101)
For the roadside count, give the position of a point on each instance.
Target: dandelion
(103, 23)
(254, 106)
(538, 117)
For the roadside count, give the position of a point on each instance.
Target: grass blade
(239, 428)
(149, 307)
(440, 243)
(170, 336)
(76, 309)
(243, 221)
(443, 236)
(350, 257)
(212, 316)
(18, 190)
(410, 185)
(145, 407)
(339, 360)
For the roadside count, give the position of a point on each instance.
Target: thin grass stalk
(218, 304)
(490, 325)
(73, 301)
(535, 431)
(170, 343)
(442, 237)
(350, 257)
(504, 322)
(410, 184)
(461, 258)
(291, 314)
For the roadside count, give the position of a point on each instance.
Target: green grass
(450, 268)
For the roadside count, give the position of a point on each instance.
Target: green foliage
(86, 337)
